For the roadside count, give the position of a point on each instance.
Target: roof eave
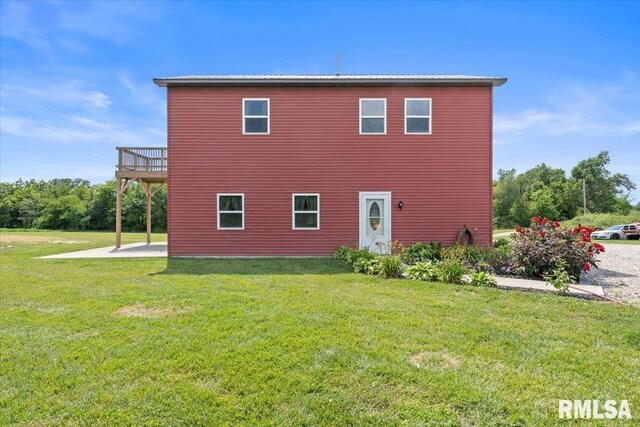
(162, 82)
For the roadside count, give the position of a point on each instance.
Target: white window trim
(268, 116)
(236, 212)
(413, 116)
(294, 211)
(373, 117)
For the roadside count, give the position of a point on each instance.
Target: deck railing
(142, 159)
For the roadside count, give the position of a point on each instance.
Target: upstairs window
(306, 211)
(255, 116)
(417, 116)
(373, 116)
(230, 211)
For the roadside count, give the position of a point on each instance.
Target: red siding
(444, 179)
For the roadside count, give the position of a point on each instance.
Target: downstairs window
(306, 211)
(230, 211)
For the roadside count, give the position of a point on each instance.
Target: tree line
(76, 204)
(549, 192)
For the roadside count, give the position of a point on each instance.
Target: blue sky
(76, 77)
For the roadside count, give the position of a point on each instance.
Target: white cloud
(69, 92)
(73, 112)
(16, 23)
(81, 130)
(114, 21)
(106, 20)
(521, 121)
(143, 94)
(587, 110)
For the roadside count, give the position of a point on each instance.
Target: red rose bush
(544, 248)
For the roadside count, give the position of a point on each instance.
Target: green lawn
(289, 342)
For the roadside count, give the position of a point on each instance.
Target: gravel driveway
(619, 272)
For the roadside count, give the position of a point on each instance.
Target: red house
(301, 164)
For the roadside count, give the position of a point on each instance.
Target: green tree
(30, 207)
(622, 205)
(134, 207)
(520, 213)
(64, 213)
(542, 204)
(506, 192)
(602, 186)
(76, 204)
(567, 198)
(540, 176)
(101, 212)
(9, 205)
(159, 210)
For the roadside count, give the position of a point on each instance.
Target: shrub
(391, 266)
(559, 278)
(357, 254)
(423, 270)
(475, 255)
(456, 252)
(542, 249)
(359, 259)
(499, 260)
(471, 255)
(452, 270)
(421, 252)
(481, 278)
(368, 266)
(343, 253)
(501, 242)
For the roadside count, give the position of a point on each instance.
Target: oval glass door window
(375, 223)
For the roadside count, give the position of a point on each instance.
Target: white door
(375, 220)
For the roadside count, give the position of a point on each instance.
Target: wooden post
(118, 212)
(584, 197)
(148, 191)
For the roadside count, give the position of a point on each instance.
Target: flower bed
(426, 261)
(542, 251)
(545, 250)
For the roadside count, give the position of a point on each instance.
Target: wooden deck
(146, 165)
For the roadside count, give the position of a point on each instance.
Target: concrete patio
(132, 250)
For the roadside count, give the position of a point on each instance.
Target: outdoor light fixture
(400, 204)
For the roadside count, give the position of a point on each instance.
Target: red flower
(599, 247)
(586, 267)
(556, 224)
(536, 219)
(541, 233)
(518, 229)
(585, 237)
(544, 221)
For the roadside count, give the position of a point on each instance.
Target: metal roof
(329, 80)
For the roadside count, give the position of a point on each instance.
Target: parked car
(615, 232)
(632, 231)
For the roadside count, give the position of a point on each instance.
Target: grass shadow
(252, 266)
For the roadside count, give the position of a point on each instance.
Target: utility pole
(584, 196)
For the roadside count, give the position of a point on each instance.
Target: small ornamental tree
(544, 247)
